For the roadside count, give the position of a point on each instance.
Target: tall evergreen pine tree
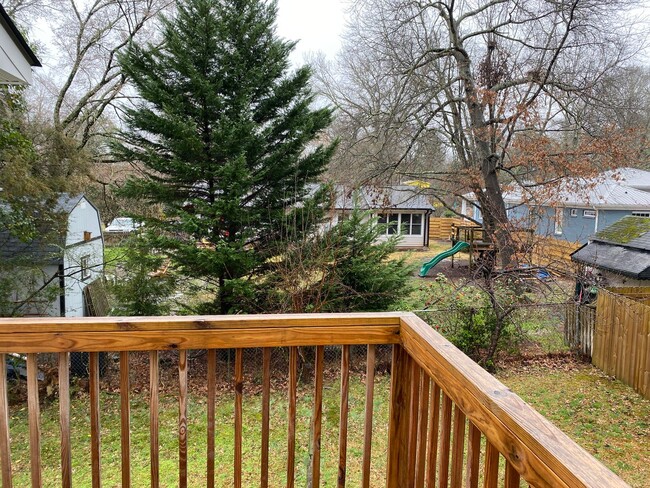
(225, 137)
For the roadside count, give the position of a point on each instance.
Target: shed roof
(399, 197)
(630, 231)
(620, 259)
(36, 249)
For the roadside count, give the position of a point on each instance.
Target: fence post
(399, 419)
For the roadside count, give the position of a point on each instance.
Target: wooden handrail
(440, 399)
(539, 451)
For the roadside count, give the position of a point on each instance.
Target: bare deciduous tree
(487, 80)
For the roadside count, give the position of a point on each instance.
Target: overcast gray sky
(316, 24)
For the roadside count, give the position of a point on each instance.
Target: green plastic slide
(459, 246)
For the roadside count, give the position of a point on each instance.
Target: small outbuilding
(51, 277)
(620, 252)
(403, 209)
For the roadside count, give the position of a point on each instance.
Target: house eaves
(16, 57)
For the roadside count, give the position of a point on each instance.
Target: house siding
(74, 282)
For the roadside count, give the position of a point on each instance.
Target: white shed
(53, 276)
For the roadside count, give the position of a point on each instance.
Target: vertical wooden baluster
(432, 440)
(95, 442)
(266, 414)
(512, 476)
(445, 442)
(212, 390)
(125, 418)
(317, 415)
(473, 454)
(398, 427)
(458, 448)
(64, 419)
(153, 418)
(291, 436)
(343, 415)
(34, 420)
(413, 420)
(5, 449)
(182, 418)
(491, 474)
(367, 427)
(423, 415)
(239, 400)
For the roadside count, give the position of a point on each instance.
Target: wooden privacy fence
(579, 325)
(554, 254)
(440, 228)
(450, 423)
(622, 336)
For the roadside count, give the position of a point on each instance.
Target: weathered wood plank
(444, 453)
(317, 414)
(5, 445)
(291, 435)
(239, 421)
(154, 442)
(491, 473)
(512, 477)
(473, 457)
(125, 418)
(266, 415)
(182, 419)
(197, 339)
(212, 393)
(432, 437)
(196, 322)
(458, 447)
(343, 418)
(423, 419)
(64, 420)
(34, 420)
(413, 421)
(540, 452)
(95, 428)
(371, 357)
(398, 424)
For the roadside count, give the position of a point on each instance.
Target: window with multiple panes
(641, 214)
(85, 267)
(402, 223)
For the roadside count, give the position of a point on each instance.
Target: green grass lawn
(609, 419)
(110, 433)
(606, 417)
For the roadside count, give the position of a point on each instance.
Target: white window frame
(641, 214)
(84, 263)
(589, 214)
(404, 224)
(574, 212)
(559, 221)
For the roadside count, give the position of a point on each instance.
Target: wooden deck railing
(450, 422)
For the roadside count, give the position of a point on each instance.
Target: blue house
(576, 208)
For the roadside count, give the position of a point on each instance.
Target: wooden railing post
(399, 419)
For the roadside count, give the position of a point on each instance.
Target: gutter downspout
(596, 221)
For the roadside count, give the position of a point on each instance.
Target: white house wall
(83, 218)
(74, 282)
(15, 68)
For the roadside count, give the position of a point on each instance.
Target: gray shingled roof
(630, 231)
(623, 247)
(400, 197)
(626, 261)
(37, 250)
